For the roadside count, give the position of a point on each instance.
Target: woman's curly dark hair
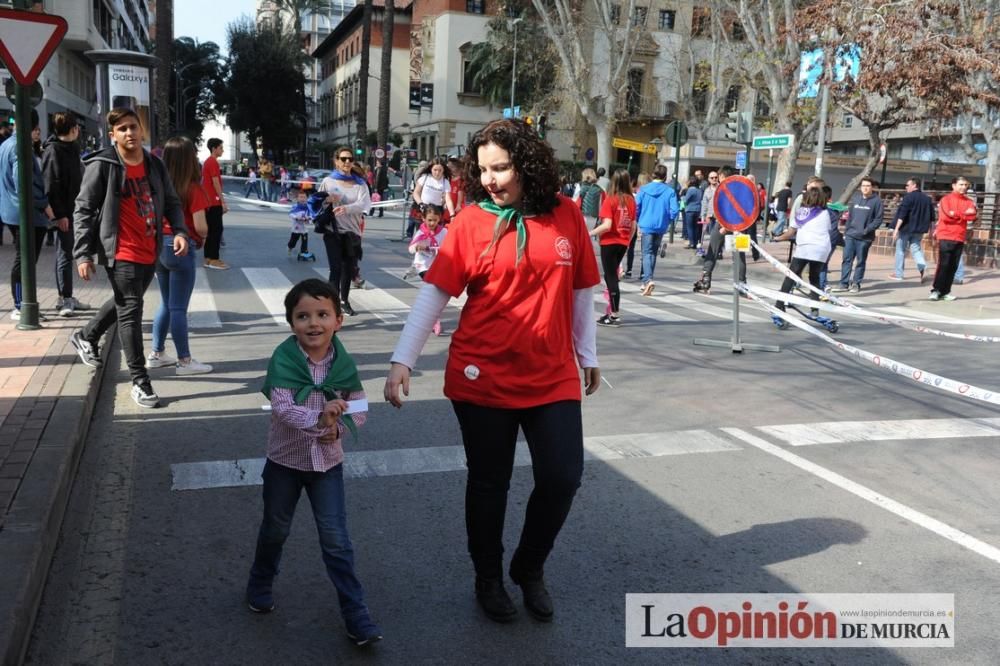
(533, 160)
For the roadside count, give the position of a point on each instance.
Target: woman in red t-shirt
(525, 261)
(616, 230)
(175, 274)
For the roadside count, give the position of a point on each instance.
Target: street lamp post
(513, 68)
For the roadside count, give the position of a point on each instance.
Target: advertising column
(124, 79)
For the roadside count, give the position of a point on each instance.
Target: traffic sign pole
(25, 173)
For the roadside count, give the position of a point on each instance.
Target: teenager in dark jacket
(125, 195)
(864, 217)
(63, 174)
(913, 220)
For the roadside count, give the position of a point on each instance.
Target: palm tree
(366, 45)
(198, 68)
(388, 21)
(164, 54)
(299, 7)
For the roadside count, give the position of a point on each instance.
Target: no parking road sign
(736, 203)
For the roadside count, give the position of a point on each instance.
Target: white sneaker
(15, 314)
(159, 360)
(193, 367)
(67, 306)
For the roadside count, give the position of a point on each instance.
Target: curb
(31, 532)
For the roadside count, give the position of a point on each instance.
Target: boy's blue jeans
(282, 488)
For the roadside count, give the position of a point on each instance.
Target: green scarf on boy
(288, 369)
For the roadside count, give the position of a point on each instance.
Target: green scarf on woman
(506, 215)
(289, 369)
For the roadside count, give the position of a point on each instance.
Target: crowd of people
(498, 226)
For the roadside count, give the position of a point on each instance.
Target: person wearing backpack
(590, 197)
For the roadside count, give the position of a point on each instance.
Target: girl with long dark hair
(615, 230)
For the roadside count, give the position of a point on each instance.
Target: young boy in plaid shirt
(313, 386)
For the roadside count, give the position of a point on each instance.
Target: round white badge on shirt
(472, 372)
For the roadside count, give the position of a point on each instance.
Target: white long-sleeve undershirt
(432, 300)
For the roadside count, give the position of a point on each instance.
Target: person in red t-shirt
(125, 196)
(176, 274)
(955, 211)
(211, 181)
(457, 193)
(615, 229)
(525, 261)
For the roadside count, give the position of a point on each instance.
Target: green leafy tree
(195, 76)
(263, 92)
(296, 8)
(491, 62)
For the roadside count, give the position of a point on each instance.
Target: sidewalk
(47, 397)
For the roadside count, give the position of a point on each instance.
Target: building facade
(69, 79)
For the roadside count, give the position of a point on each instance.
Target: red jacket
(956, 211)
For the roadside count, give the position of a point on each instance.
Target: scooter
(306, 256)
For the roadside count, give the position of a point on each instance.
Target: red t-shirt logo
(563, 248)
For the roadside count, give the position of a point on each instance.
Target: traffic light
(739, 126)
(359, 148)
(541, 125)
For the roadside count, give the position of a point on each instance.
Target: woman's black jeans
(554, 433)
(343, 251)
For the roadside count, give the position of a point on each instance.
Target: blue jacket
(9, 204)
(655, 207)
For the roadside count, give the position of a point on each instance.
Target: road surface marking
(425, 460)
(376, 301)
(416, 283)
(202, 310)
(836, 432)
(643, 310)
(271, 286)
(923, 520)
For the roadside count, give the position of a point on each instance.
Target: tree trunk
(874, 149)
(164, 54)
(992, 174)
(603, 130)
(366, 47)
(385, 75)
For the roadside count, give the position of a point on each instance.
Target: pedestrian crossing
(388, 297)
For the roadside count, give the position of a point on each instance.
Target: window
(701, 22)
(475, 6)
(732, 99)
(468, 82)
(667, 17)
(762, 106)
(633, 96)
(639, 17)
(848, 120)
(616, 14)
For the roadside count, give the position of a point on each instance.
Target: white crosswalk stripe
(271, 286)
(202, 310)
(383, 298)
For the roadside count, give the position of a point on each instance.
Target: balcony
(637, 108)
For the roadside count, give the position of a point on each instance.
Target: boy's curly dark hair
(533, 160)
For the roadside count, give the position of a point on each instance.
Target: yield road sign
(637, 146)
(27, 41)
(736, 203)
(773, 141)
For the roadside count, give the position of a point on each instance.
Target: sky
(206, 20)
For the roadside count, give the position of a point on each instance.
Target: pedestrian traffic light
(359, 148)
(541, 125)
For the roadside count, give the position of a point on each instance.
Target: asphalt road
(692, 488)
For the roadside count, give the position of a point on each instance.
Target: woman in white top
(433, 187)
(348, 194)
(810, 227)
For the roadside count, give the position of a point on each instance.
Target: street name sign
(27, 41)
(773, 141)
(637, 146)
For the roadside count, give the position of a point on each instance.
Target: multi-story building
(69, 79)
(338, 59)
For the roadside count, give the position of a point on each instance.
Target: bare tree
(597, 81)
(776, 48)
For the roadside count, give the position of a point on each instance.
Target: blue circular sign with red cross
(736, 203)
